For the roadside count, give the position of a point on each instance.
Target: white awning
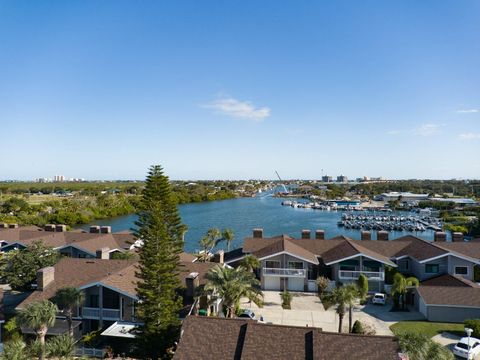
(121, 329)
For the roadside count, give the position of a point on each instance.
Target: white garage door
(272, 283)
(295, 284)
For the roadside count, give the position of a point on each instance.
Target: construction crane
(285, 190)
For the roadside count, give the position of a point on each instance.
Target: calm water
(244, 214)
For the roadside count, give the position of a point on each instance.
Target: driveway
(307, 310)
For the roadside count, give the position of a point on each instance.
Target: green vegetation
(231, 284)
(363, 287)
(212, 238)
(68, 299)
(79, 203)
(250, 262)
(160, 227)
(322, 285)
(286, 299)
(473, 324)
(19, 267)
(400, 289)
(342, 297)
(420, 347)
(430, 329)
(39, 316)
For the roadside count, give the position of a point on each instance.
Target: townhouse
(110, 298)
(294, 264)
(76, 244)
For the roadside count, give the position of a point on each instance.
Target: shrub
(357, 327)
(473, 324)
(363, 286)
(286, 299)
(322, 284)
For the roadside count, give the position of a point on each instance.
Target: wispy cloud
(469, 136)
(394, 132)
(467, 111)
(238, 109)
(427, 130)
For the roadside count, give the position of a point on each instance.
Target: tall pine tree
(159, 226)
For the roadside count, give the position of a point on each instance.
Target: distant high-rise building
(58, 178)
(327, 178)
(342, 179)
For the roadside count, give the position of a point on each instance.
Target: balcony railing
(284, 272)
(94, 313)
(91, 352)
(371, 275)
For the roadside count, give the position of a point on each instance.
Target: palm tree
(39, 316)
(231, 285)
(68, 299)
(420, 347)
(209, 241)
(250, 262)
(228, 236)
(352, 293)
(400, 287)
(339, 297)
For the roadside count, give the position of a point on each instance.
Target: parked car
(249, 314)
(379, 298)
(462, 347)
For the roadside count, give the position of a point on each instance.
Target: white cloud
(469, 136)
(239, 109)
(467, 111)
(427, 130)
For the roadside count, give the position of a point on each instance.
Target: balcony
(284, 272)
(94, 313)
(353, 275)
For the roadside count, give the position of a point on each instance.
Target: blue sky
(238, 89)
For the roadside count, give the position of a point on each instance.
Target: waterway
(244, 214)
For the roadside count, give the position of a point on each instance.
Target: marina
(243, 214)
(411, 223)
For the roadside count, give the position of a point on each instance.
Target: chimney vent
(305, 234)
(60, 228)
(45, 277)
(440, 236)
(49, 227)
(103, 253)
(95, 229)
(219, 257)
(191, 283)
(106, 229)
(258, 233)
(457, 237)
(382, 235)
(320, 234)
(366, 235)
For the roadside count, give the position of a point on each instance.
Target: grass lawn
(428, 328)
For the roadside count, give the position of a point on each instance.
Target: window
(461, 270)
(370, 265)
(295, 265)
(272, 264)
(349, 265)
(406, 265)
(432, 268)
